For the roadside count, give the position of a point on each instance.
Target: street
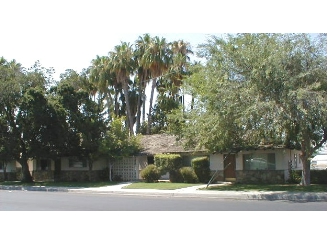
(70, 201)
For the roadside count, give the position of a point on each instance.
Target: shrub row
(152, 173)
(172, 163)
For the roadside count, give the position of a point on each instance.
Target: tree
(261, 88)
(118, 142)
(105, 83)
(143, 75)
(156, 58)
(25, 112)
(10, 75)
(85, 124)
(122, 64)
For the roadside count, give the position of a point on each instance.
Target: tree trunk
(153, 86)
(90, 165)
(144, 106)
(4, 171)
(128, 109)
(26, 175)
(139, 109)
(306, 179)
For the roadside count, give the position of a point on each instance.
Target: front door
(230, 166)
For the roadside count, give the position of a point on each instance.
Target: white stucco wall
(282, 156)
(11, 167)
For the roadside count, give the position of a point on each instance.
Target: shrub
(316, 176)
(150, 173)
(295, 176)
(169, 163)
(201, 166)
(188, 175)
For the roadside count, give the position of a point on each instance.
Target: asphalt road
(70, 201)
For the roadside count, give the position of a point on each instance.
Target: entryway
(230, 167)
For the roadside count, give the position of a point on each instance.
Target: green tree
(106, 84)
(157, 59)
(122, 64)
(260, 88)
(118, 142)
(143, 76)
(25, 112)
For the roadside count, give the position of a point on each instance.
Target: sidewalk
(190, 192)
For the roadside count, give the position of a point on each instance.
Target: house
(67, 169)
(264, 164)
(129, 168)
(7, 171)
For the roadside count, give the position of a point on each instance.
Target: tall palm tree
(123, 64)
(181, 59)
(143, 75)
(105, 82)
(157, 58)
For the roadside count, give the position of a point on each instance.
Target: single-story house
(8, 169)
(129, 168)
(67, 169)
(266, 163)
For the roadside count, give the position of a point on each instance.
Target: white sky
(66, 34)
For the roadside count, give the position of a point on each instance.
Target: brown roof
(162, 143)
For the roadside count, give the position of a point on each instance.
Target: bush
(188, 175)
(201, 166)
(316, 176)
(150, 173)
(169, 163)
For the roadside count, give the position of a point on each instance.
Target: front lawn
(271, 187)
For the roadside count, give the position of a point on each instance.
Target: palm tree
(105, 82)
(122, 65)
(180, 52)
(157, 58)
(143, 75)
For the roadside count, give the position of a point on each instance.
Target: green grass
(272, 187)
(61, 184)
(158, 186)
(174, 186)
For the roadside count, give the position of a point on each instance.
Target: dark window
(259, 161)
(150, 159)
(74, 162)
(44, 164)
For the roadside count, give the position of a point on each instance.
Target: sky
(67, 34)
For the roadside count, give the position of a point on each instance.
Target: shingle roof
(162, 143)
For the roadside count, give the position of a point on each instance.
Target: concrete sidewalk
(189, 192)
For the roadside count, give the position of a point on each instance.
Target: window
(150, 159)
(75, 162)
(44, 164)
(259, 161)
